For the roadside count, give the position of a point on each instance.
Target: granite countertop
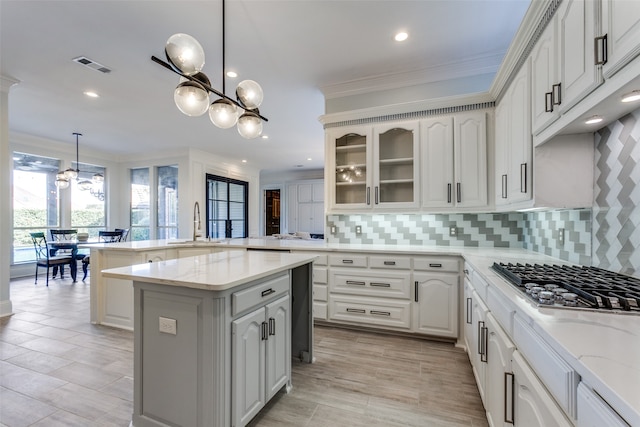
(213, 272)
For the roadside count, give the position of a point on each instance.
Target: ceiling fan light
(184, 53)
(223, 113)
(191, 98)
(249, 125)
(249, 94)
(631, 97)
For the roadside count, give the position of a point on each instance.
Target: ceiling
(298, 50)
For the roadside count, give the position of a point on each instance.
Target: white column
(6, 167)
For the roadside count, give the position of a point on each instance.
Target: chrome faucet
(196, 221)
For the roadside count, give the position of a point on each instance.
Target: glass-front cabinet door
(395, 166)
(351, 177)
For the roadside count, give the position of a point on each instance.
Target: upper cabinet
(375, 167)
(621, 30)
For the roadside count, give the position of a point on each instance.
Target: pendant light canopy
(185, 57)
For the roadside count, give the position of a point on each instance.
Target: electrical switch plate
(358, 230)
(561, 236)
(453, 231)
(334, 229)
(167, 326)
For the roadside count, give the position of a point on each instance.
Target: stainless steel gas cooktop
(566, 286)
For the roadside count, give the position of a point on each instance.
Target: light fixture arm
(223, 51)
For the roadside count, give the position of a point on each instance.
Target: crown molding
(6, 82)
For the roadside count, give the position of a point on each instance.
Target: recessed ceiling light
(91, 94)
(309, 158)
(265, 137)
(401, 36)
(593, 120)
(633, 96)
(232, 74)
(244, 160)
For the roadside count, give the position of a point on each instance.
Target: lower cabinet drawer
(432, 263)
(370, 311)
(390, 285)
(320, 310)
(258, 294)
(319, 292)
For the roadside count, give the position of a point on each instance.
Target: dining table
(56, 245)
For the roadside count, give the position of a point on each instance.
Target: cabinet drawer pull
(523, 177)
(355, 282)
(272, 326)
(485, 341)
(389, 263)
(381, 285)
(504, 186)
(600, 46)
(548, 102)
(380, 313)
(509, 380)
(267, 292)
(347, 261)
(265, 331)
(435, 265)
(556, 90)
(356, 310)
(480, 326)
(469, 313)
(415, 294)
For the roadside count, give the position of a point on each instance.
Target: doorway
(272, 212)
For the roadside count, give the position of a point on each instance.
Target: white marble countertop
(603, 347)
(213, 272)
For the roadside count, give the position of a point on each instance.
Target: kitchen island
(214, 334)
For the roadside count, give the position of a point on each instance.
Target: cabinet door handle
(272, 326)
(356, 310)
(509, 381)
(380, 313)
(548, 102)
(381, 285)
(469, 312)
(347, 261)
(556, 90)
(480, 326)
(449, 193)
(600, 46)
(355, 282)
(485, 339)
(415, 296)
(523, 177)
(389, 263)
(265, 331)
(376, 192)
(459, 192)
(368, 195)
(267, 292)
(504, 186)
(435, 265)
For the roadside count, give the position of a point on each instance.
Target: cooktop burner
(569, 286)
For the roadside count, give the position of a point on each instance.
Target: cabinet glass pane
(396, 165)
(351, 169)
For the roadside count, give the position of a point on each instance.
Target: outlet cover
(168, 326)
(453, 231)
(334, 229)
(561, 236)
(358, 230)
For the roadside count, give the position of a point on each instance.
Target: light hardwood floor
(56, 369)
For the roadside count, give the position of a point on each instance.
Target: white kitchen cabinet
(260, 363)
(499, 350)
(320, 288)
(454, 159)
(595, 412)
(476, 313)
(580, 72)
(347, 172)
(621, 25)
(306, 207)
(513, 143)
(435, 308)
(545, 78)
(531, 403)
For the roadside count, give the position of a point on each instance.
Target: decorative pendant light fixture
(185, 57)
(63, 178)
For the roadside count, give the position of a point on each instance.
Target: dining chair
(44, 257)
(63, 234)
(125, 233)
(104, 237)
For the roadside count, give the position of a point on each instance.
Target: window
(167, 202)
(35, 201)
(88, 210)
(140, 204)
(227, 207)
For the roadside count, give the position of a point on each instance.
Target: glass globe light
(191, 98)
(85, 185)
(61, 181)
(97, 178)
(70, 174)
(184, 53)
(223, 113)
(249, 94)
(249, 125)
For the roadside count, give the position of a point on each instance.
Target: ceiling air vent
(83, 60)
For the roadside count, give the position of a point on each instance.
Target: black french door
(227, 207)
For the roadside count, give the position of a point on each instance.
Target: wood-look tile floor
(56, 369)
